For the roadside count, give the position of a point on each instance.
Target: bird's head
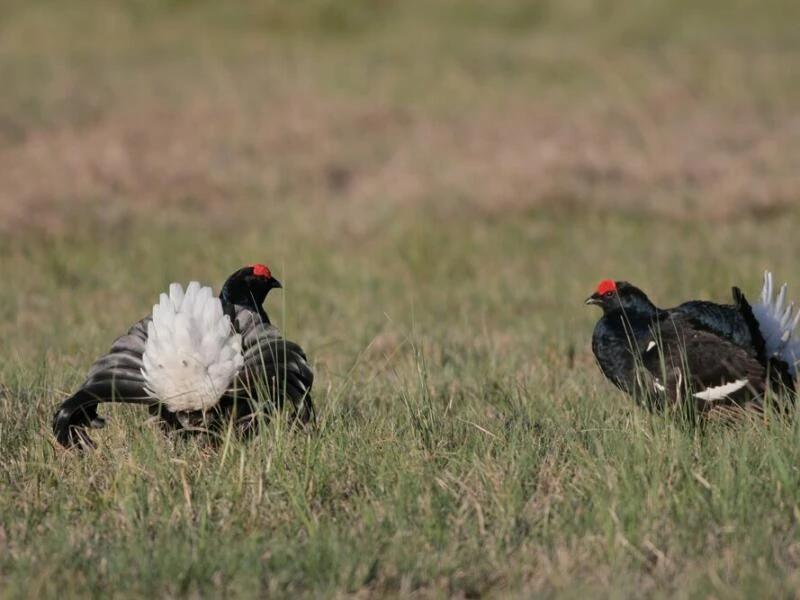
(249, 286)
(615, 295)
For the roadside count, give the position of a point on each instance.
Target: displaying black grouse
(196, 361)
(669, 355)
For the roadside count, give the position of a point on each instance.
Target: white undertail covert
(192, 353)
(778, 324)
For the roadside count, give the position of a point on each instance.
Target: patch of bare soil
(356, 164)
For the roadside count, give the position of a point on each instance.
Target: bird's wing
(720, 319)
(685, 360)
(275, 369)
(114, 377)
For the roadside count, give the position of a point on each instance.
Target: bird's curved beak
(593, 299)
(274, 283)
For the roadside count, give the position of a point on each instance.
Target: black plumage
(698, 350)
(725, 320)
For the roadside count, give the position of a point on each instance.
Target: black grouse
(197, 361)
(666, 356)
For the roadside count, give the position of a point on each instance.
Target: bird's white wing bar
(721, 391)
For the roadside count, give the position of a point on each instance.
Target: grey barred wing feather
(275, 370)
(114, 377)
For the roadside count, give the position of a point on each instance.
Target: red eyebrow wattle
(605, 286)
(261, 271)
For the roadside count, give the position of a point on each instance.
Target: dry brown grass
(225, 145)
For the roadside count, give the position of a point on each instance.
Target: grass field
(439, 185)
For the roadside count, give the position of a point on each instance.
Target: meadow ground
(439, 185)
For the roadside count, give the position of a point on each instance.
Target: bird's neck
(615, 339)
(230, 303)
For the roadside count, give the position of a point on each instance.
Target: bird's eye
(608, 294)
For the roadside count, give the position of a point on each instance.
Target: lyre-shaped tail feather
(79, 411)
(276, 372)
(113, 377)
(73, 416)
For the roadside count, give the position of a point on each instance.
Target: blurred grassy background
(439, 185)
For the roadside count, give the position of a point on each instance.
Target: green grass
(439, 186)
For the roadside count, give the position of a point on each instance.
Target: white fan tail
(778, 325)
(192, 353)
